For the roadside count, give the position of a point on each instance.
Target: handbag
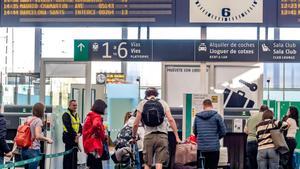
(278, 139)
(105, 154)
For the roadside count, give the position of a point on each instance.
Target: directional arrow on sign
(81, 46)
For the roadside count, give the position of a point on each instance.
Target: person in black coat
(4, 149)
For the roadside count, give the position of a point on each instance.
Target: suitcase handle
(241, 93)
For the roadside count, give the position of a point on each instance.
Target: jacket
(69, 136)
(93, 133)
(209, 128)
(3, 145)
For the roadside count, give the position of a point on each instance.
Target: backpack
(23, 137)
(153, 113)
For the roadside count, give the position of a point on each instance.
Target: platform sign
(113, 50)
(279, 51)
(289, 13)
(87, 12)
(213, 50)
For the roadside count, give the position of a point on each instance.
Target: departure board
(289, 13)
(87, 12)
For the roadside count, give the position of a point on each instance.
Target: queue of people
(261, 149)
(153, 130)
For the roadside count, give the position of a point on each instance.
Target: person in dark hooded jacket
(209, 128)
(4, 149)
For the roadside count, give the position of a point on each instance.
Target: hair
(38, 110)
(70, 102)
(294, 114)
(263, 108)
(99, 106)
(268, 114)
(151, 91)
(207, 103)
(127, 116)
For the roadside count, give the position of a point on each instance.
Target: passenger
(250, 129)
(156, 129)
(267, 156)
(4, 149)
(125, 135)
(291, 118)
(72, 132)
(140, 134)
(209, 128)
(36, 125)
(94, 135)
(126, 117)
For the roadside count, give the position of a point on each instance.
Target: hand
(132, 141)
(9, 154)
(77, 138)
(178, 140)
(49, 141)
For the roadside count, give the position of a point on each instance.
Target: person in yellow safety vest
(71, 134)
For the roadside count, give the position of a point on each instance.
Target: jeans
(30, 153)
(251, 155)
(211, 159)
(268, 159)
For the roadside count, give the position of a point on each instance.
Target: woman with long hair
(94, 135)
(267, 157)
(292, 118)
(36, 123)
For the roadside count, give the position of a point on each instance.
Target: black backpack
(153, 113)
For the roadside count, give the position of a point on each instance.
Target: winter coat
(93, 133)
(209, 128)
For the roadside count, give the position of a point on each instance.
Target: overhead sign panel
(87, 12)
(289, 13)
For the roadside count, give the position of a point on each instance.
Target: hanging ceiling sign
(187, 50)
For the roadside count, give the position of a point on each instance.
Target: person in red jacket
(94, 135)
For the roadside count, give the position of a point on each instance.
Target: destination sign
(289, 13)
(88, 12)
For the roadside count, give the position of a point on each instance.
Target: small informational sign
(226, 50)
(279, 51)
(110, 78)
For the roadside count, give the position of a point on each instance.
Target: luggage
(185, 154)
(129, 158)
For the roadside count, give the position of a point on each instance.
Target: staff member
(71, 134)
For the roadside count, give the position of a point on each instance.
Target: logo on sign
(95, 47)
(202, 47)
